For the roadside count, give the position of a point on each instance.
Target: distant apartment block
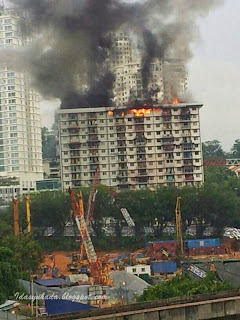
(127, 67)
(157, 145)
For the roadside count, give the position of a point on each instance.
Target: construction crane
(179, 227)
(95, 266)
(92, 198)
(16, 216)
(127, 217)
(28, 213)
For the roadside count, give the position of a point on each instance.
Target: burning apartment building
(134, 147)
(115, 90)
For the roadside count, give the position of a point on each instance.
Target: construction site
(87, 279)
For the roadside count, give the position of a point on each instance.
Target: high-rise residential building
(127, 67)
(20, 126)
(134, 147)
(175, 78)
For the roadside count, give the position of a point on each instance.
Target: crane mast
(179, 227)
(28, 213)
(92, 198)
(127, 217)
(78, 213)
(16, 216)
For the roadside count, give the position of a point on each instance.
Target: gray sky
(214, 77)
(214, 74)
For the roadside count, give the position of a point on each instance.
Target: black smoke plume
(69, 56)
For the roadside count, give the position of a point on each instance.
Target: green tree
(8, 273)
(235, 150)
(183, 285)
(28, 253)
(212, 149)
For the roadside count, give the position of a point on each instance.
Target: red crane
(95, 265)
(92, 198)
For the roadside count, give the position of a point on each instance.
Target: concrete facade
(134, 147)
(20, 126)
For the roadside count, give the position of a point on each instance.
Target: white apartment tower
(134, 147)
(20, 126)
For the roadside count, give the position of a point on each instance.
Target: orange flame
(175, 101)
(110, 113)
(140, 112)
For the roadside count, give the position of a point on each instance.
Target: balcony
(142, 179)
(141, 150)
(93, 138)
(74, 154)
(122, 166)
(140, 141)
(73, 131)
(142, 159)
(92, 116)
(73, 116)
(187, 155)
(166, 112)
(142, 172)
(74, 144)
(92, 123)
(122, 159)
(186, 126)
(168, 147)
(170, 178)
(139, 119)
(76, 176)
(75, 169)
(166, 118)
(188, 162)
(93, 144)
(121, 136)
(187, 146)
(139, 128)
(168, 139)
(189, 177)
(92, 131)
(93, 167)
(76, 183)
(121, 128)
(94, 160)
(142, 165)
(185, 118)
(188, 169)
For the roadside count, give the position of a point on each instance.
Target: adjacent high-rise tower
(20, 126)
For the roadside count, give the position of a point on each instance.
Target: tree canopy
(183, 285)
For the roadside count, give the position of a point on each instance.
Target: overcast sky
(214, 75)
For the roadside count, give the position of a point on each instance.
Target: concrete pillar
(204, 311)
(230, 308)
(151, 315)
(178, 314)
(217, 309)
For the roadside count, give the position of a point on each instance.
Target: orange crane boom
(95, 266)
(92, 197)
